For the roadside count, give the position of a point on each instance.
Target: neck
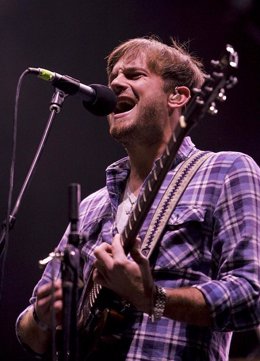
(142, 160)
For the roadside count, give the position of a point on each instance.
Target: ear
(179, 98)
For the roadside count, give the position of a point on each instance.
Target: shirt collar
(118, 172)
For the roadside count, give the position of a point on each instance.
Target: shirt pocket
(185, 214)
(186, 242)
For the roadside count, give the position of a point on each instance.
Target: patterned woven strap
(170, 199)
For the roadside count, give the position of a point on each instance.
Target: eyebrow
(127, 70)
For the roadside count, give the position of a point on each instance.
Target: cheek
(155, 103)
(155, 94)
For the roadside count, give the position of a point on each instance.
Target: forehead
(131, 61)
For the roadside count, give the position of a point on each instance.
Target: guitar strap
(170, 199)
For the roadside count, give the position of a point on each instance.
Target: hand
(130, 279)
(49, 299)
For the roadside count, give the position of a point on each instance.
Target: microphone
(98, 99)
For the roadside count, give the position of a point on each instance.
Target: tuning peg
(208, 89)
(215, 63)
(232, 81)
(221, 95)
(199, 100)
(196, 91)
(233, 56)
(212, 109)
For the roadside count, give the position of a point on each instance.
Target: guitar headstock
(204, 100)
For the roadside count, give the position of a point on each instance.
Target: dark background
(73, 37)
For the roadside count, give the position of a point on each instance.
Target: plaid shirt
(211, 242)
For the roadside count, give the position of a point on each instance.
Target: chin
(122, 134)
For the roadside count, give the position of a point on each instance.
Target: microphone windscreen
(105, 101)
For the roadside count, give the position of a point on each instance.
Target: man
(203, 279)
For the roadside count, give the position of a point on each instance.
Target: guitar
(102, 313)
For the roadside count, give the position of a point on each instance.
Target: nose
(119, 83)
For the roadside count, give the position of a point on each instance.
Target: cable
(11, 181)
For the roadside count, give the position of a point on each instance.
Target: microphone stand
(70, 277)
(57, 100)
(70, 256)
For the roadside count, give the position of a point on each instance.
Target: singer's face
(142, 114)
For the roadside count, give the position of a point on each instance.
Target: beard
(145, 129)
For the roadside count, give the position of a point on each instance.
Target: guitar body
(99, 330)
(101, 325)
(103, 336)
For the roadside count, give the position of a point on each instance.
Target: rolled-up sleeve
(233, 296)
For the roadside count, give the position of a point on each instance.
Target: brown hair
(172, 62)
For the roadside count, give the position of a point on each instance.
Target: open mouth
(124, 105)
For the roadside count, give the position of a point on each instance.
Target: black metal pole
(70, 276)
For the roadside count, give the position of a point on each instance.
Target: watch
(159, 303)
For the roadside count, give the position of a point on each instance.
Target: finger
(117, 248)
(58, 311)
(103, 255)
(99, 266)
(103, 247)
(48, 300)
(136, 253)
(48, 288)
(47, 294)
(46, 313)
(102, 272)
(57, 305)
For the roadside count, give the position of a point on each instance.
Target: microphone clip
(57, 100)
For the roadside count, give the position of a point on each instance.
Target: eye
(137, 75)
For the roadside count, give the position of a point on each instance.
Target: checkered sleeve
(52, 270)
(233, 295)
